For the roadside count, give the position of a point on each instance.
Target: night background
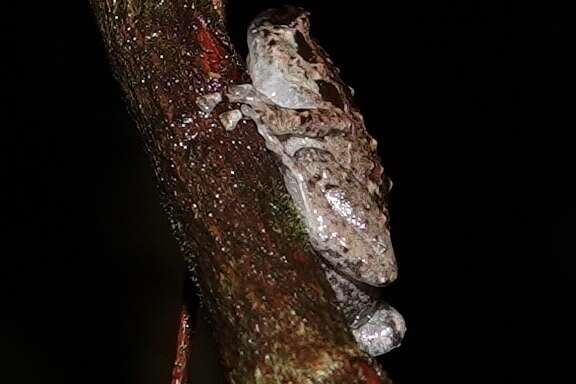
(472, 124)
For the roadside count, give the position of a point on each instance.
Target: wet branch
(273, 314)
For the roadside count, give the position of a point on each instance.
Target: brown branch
(183, 345)
(273, 314)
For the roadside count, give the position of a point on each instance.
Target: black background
(473, 125)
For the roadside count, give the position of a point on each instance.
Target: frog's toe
(382, 332)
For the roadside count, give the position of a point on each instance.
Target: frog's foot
(382, 332)
(246, 94)
(242, 93)
(208, 102)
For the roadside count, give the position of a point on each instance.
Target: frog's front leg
(383, 331)
(377, 327)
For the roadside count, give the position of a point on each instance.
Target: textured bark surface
(183, 346)
(273, 314)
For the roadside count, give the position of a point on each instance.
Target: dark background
(472, 121)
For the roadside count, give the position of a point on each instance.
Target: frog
(330, 166)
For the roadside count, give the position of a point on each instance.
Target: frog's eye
(317, 177)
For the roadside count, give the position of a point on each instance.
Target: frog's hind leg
(377, 327)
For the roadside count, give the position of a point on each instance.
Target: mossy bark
(273, 314)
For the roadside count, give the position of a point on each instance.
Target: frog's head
(379, 267)
(372, 263)
(367, 260)
(355, 234)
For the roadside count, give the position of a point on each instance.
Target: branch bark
(273, 313)
(180, 368)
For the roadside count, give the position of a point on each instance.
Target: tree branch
(273, 313)
(180, 368)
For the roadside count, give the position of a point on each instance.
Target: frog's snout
(386, 276)
(384, 264)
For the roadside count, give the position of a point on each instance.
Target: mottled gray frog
(304, 112)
